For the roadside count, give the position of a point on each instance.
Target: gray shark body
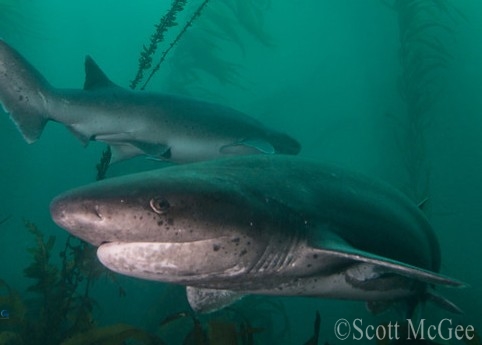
(133, 123)
(275, 225)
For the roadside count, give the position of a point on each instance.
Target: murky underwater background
(389, 88)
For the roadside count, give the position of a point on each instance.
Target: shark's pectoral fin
(209, 300)
(123, 151)
(247, 146)
(378, 266)
(378, 307)
(158, 151)
(124, 147)
(442, 302)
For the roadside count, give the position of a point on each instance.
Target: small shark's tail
(24, 93)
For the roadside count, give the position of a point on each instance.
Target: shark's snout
(59, 212)
(79, 217)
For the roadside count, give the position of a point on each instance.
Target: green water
(324, 71)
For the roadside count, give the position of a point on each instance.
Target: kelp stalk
(176, 40)
(167, 21)
(424, 26)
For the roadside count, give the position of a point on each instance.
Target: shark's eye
(159, 205)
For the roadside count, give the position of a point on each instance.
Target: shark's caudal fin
(24, 93)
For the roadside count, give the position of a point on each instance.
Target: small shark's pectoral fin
(209, 300)
(379, 265)
(157, 151)
(95, 78)
(246, 146)
(124, 146)
(123, 151)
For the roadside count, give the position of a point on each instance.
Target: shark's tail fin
(24, 93)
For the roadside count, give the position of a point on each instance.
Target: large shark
(133, 123)
(276, 225)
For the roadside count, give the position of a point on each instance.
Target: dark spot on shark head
(243, 252)
(216, 247)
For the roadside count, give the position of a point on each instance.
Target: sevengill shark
(261, 224)
(161, 126)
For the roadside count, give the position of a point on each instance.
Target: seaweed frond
(11, 301)
(103, 164)
(426, 32)
(63, 306)
(167, 21)
(41, 269)
(188, 24)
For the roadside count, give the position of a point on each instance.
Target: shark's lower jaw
(172, 262)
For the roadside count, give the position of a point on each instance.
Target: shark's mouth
(174, 262)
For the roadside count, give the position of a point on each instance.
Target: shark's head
(169, 225)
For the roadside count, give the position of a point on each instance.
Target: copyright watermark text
(421, 330)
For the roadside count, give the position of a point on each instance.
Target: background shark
(133, 123)
(274, 225)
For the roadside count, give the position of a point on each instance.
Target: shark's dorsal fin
(95, 78)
